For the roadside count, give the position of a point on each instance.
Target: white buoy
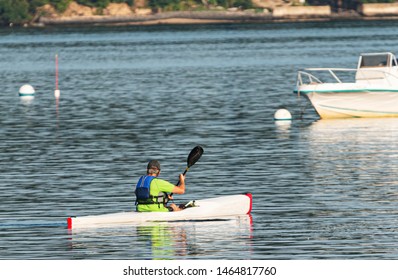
(26, 90)
(26, 93)
(282, 115)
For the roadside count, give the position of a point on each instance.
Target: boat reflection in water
(360, 151)
(351, 192)
(191, 239)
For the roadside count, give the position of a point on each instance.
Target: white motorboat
(204, 209)
(371, 91)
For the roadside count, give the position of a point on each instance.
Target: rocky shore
(122, 14)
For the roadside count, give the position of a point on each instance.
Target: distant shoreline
(198, 18)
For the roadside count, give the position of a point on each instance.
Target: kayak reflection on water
(184, 239)
(193, 239)
(163, 241)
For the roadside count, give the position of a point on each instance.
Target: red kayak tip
(251, 202)
(69, 221)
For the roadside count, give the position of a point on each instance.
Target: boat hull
(357, 103)
(212, 208)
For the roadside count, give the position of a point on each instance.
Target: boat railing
(305, 77)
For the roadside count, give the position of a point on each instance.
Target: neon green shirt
(157, 186)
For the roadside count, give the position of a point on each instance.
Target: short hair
(153, 164)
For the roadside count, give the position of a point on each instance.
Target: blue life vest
(143, 194)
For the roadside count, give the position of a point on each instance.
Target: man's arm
(181, 188)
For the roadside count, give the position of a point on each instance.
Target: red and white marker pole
(57, 92)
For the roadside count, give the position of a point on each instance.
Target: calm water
(322, 189)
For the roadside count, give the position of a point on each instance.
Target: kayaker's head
(153, 168)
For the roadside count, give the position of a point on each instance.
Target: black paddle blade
(194, 155)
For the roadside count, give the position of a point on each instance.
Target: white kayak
(204, 209)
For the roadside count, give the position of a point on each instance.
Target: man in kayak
(152, 193)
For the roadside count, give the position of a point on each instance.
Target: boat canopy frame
(303, 76)
(370, 66)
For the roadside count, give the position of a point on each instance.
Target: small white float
(26, 93)
(282, 115)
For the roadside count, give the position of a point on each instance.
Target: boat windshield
(375, 60)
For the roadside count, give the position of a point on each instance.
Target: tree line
(22, 11)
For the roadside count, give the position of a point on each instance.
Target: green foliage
(38, 3)
(176, 5)
(94, 3)
(244, 4)
(102, 4)
(33, 4)
(172, 5)
(130, 2)
(60, 5)
(14, 11)
(21, 11)
(164, 4)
